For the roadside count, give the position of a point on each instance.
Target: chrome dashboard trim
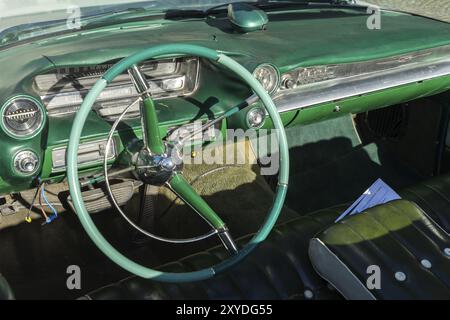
(60, 104)
(86, 149)
(420, 66)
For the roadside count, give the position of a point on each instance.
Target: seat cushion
(433, 196)
(279, 268)
(411, 252)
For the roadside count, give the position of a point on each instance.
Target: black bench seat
(280, 268)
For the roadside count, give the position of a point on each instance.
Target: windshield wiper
(268, 4)
(281, 3)
(263, 5)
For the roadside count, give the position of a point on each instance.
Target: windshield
(16, 12)
(436, 9)
(25, 19)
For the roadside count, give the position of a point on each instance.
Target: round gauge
(268, 76)
(256, 117)
(22, 117)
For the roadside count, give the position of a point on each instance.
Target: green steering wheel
(155, 147)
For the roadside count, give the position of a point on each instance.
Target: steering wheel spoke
(150, 128)
(181, 187)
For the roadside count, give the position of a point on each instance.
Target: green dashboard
(324, 63)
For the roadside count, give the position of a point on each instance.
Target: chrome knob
(28, 165)
(256, 118)
(288, 82)
(26, 162)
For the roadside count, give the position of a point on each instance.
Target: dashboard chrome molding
(170, 78)
(396, 71)
(89, 153)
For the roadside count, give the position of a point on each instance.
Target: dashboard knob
(26, 162)
(288, 83)
(28, 165)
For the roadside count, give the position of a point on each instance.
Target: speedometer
(22, 117)
(268, 76)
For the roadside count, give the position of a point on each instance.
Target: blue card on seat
(378, 193)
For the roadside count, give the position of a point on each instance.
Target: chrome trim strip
(59, 155)
(337, 89)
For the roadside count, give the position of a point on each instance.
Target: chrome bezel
(262, 123)
(275, 71)
(30, 134)
(24, 174)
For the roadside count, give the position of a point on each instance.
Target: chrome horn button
(157, 169)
